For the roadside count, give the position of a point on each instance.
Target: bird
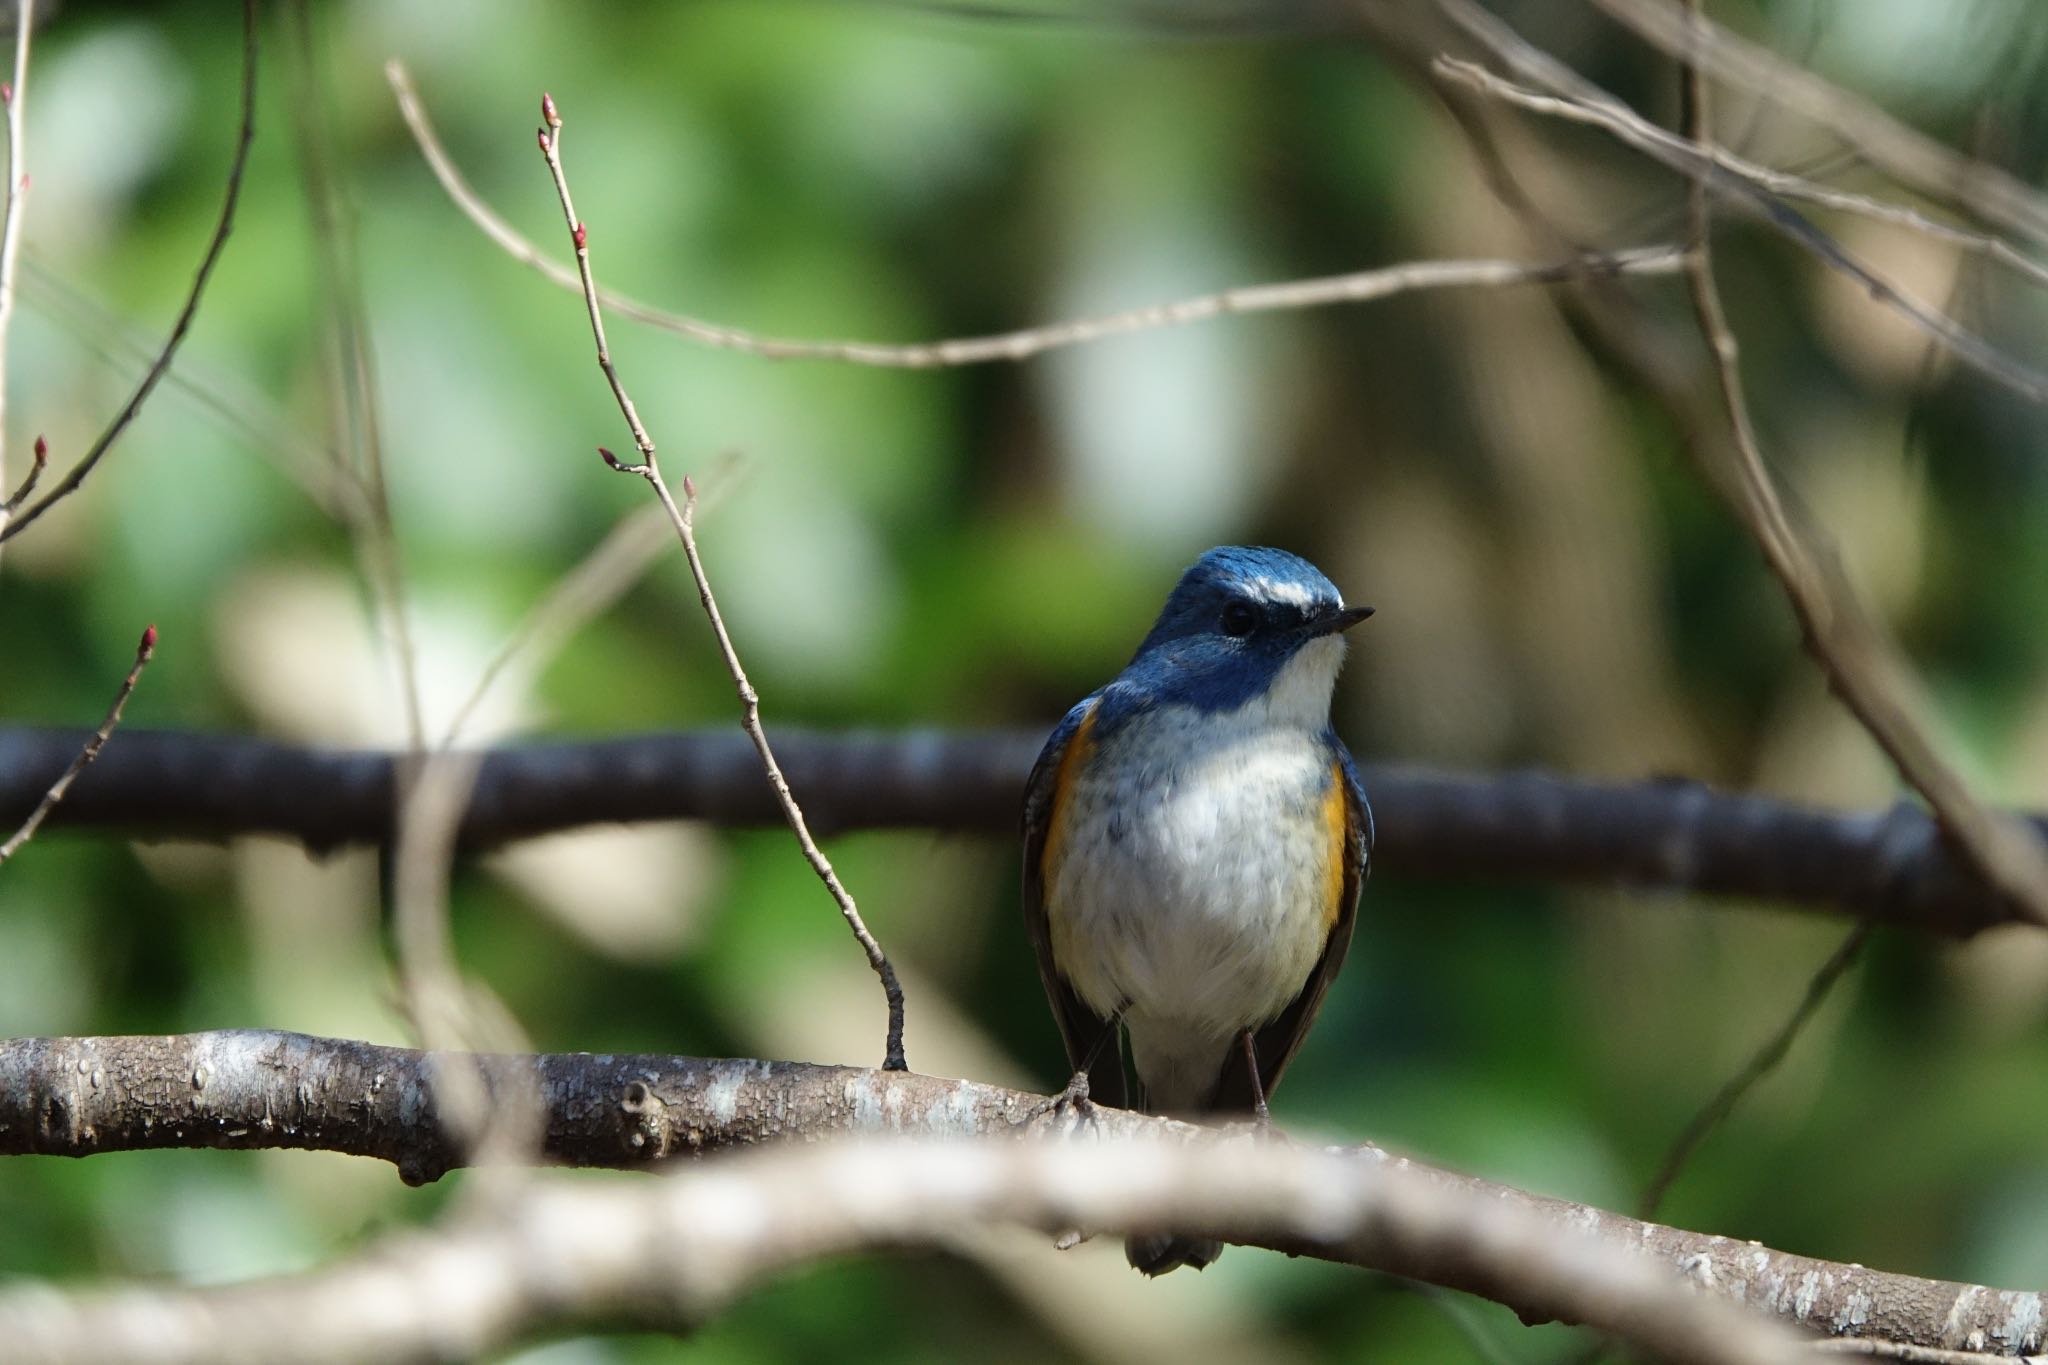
(1195, 838)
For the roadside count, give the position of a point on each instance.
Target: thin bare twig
(1785, 184)
(1843, 641)
(1904, 153)
(1357, 287)
(143, 652)
(1572, 96)
(1760, 1064)
(13, 105)
(356, 434)
(617, 562)
(265, 429)
(681, 518)
(69, 484)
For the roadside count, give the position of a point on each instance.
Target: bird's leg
(1075, 1094)
(1261, 1115)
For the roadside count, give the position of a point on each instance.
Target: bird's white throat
(1300, 694)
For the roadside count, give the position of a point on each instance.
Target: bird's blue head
(1244, 624)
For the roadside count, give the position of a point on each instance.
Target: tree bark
(266, 1089)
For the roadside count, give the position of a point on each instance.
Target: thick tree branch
(1890, 866)
(254, 1089)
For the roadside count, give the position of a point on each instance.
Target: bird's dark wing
(1278, 1041)
(1080, 1027)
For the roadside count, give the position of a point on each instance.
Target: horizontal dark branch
(255, 1089)
(1890, 866)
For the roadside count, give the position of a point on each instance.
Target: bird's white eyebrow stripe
(1277, 590)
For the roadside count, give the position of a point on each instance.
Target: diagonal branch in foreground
(1892, 866)
(259, 1089)
(671, 1254)
(683, 518)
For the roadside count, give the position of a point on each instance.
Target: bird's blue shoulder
(1361, 809)
(1039, 788)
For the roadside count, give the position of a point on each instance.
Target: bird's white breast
(1194, 881)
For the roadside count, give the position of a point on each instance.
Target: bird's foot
(1073, 1096)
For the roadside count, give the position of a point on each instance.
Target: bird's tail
(1155, 1253)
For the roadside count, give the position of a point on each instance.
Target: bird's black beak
(1329, 623)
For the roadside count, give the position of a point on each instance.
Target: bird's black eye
(1239, 620)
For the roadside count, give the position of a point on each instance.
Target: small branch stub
(36, 466)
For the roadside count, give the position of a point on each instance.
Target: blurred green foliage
(983, 546)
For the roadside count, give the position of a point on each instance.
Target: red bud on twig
(547, 110)
(6, 92)
(148, 645)
(541, 135)
(689, 488)
(582, 238)
(42, 452)
(610, 458)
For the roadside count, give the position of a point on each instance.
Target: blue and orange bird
(1194, 840)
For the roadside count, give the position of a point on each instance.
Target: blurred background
(980, 547)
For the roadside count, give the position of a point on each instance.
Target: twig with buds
(648, 467)
(14, 521)
(37, 464)
(143, 652)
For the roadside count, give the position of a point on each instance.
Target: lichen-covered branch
(255, 1089)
